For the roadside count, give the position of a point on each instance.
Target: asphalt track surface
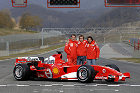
(119, 47)
(9, 85)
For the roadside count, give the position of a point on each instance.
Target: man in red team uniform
(70, 49)
(81, 50)
(93, 51)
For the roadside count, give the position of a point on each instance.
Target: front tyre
(21, 72)
(85, 73)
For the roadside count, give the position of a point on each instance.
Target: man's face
(81, 39)
(89, 40)
(73, 38)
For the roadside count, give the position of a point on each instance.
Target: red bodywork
(64, 70)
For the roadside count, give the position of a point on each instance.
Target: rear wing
(27, 59)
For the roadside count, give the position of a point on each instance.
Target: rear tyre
(113, 66)
(85, 73)
(21, 72)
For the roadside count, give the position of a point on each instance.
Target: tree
(6, 20)
(29, 22)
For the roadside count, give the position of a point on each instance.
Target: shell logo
(55, 70)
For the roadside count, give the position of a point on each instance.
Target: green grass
(135, 60)
(34, 52)
(4, 31)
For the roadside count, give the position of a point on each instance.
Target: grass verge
(34, 52)
(135, 60)
(4, 31)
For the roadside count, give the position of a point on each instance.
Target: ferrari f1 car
(54, 67)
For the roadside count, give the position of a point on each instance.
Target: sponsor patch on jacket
(71, 44)
(66, 44)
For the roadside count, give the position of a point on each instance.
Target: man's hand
(97, 58)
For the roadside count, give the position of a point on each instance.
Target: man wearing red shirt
(81, 50)
(70, 49)
(93, 51)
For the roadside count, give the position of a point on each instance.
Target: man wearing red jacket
(93, 51)
(70, 49)
(81, 50)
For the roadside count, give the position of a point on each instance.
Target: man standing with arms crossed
(81, 50)
(70, 49)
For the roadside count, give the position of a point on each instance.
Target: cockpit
(49, 60)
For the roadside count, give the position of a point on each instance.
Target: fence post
(104, 40)
(7, 48)
(138, 44)
(42, 38)
(135, 45)
(120, 38)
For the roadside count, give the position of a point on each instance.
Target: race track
(9, 85)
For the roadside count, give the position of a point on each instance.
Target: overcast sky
(85, 4)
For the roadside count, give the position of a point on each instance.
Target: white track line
(3, 85)
(135, 85)
(22, 85)
(105, 90)
(57, 84)
(68, 85)
(46, 85)
(79, 84)
(113, 85)
(91, 85)
(72, 85)
(101, 84)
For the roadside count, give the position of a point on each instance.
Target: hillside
(96, 15)
(53, 18)
(108, 17)
(116, 17)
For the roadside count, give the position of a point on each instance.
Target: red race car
(56, 68)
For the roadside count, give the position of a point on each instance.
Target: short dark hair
(81, 36)
(90, 38)
(73, 35)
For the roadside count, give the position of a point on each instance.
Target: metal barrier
(49, 36)
(101, 34)
(14, 44)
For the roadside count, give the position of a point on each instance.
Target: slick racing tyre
(21, 72)
(114, 67)
(85, 73)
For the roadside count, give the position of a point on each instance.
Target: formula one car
(54, 67)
